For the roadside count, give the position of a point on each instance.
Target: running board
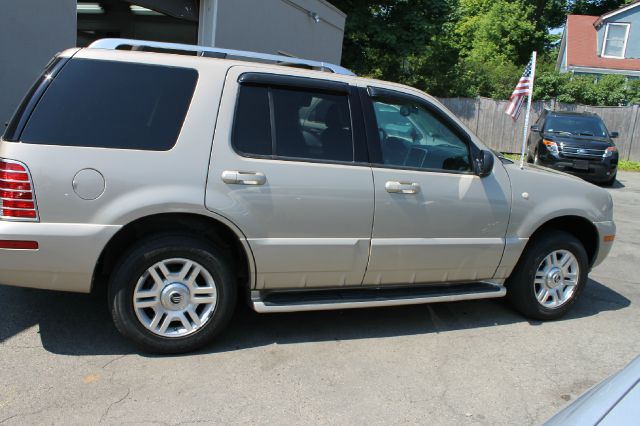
(324, 300)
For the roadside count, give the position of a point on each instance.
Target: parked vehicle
(576, 143)
(614, 401)
(182, 182)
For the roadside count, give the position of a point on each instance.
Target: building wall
(273, 26)
(633, 44)
(31, 32)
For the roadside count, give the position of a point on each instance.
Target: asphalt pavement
(464, 363)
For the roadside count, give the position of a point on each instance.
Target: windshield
(576, 125)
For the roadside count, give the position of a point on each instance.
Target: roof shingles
(582, 46)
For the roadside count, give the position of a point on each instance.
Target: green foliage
(630, 166)
(472, 47)
(594, 7)
(395, 39)
(634, 91)
(608, 90)
(549, 84)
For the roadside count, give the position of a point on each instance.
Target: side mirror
(613, 134)
(535, 128)
(484, 163)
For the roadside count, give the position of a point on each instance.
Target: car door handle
(243, 178)
(402, 187)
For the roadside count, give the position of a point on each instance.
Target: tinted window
(412, 136)
(252, 126)
(113, 105)
(576, 125)
(19, 119)
(307, 124)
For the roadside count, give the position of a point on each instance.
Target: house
(607, 44)
(32, 31)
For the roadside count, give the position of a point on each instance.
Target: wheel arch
(217, 231)
(580, 227)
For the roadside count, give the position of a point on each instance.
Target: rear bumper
(604, 247)
(65, 258)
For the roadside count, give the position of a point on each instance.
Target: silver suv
(181, 182)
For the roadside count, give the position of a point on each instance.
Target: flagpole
(526, 117)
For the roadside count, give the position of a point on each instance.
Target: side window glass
(312, 125)
(252, 125)
(117, 105)
(411, 136)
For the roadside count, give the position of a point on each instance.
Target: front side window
(412, 136)
(293, 123)
(105, 104)
(615, 40)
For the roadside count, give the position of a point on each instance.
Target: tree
(394, 39)
(594, 7)
(470, 47)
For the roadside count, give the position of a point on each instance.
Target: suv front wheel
(172, 294)
(549, 276)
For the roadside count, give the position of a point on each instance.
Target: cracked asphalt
(465, 363)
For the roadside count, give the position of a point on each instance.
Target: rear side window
(113, 105)
(293, 123)
(252, 128)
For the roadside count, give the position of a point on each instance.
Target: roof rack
(215, 52)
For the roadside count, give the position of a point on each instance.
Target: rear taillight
(17, 199)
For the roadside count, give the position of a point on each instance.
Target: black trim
(358, 128)
(294, 82)
(373, 139)
(373, 136)
(272, 121)
(423, 169)
(22, 114)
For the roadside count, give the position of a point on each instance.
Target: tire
(535, 269)
(203, 299)
(529, 156)
(611, 181)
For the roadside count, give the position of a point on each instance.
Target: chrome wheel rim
(556, 279)
(175, 297)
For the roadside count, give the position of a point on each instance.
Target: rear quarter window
(107, 104)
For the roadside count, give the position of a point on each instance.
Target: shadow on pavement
(617, 185)
(76, 324)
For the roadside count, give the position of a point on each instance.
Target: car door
(435, 219)
(295, 181)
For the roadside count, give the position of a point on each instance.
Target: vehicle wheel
(611, 181)
(172, 294)
(529, 157)
(549, 276)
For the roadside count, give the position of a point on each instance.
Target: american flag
(522, 90)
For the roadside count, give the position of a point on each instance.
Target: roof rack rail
(115, 43)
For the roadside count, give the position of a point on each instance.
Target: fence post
(634, 128)
(477, 114)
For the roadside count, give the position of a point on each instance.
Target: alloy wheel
(175, 297)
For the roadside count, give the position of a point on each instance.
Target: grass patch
(629, 166)
(625, 165)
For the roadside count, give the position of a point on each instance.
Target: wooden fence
(486, 118)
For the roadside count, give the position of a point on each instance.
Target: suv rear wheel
(172, 294)
(549, 276)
